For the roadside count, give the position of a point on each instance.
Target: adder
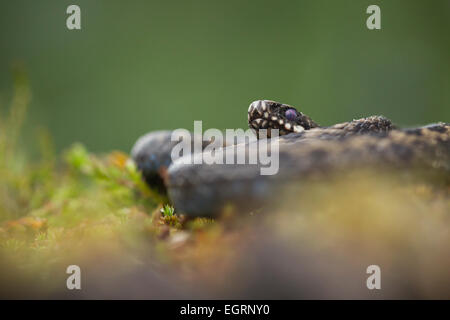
(305, 149)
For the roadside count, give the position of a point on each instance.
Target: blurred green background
(141, 65)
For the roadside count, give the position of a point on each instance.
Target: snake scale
(305, 148)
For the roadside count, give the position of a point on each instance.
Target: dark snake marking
(305, 148)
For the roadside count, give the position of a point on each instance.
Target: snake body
(305, 148)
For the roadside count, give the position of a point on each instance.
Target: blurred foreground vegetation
(56, 206)
(94, 211)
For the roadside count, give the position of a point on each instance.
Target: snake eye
(291, 114)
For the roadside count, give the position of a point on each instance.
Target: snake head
(267, 114)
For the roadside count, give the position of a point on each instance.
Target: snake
(305, 149)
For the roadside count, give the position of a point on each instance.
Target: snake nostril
(291, 114)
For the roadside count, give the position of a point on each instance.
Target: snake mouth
(267, 114)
